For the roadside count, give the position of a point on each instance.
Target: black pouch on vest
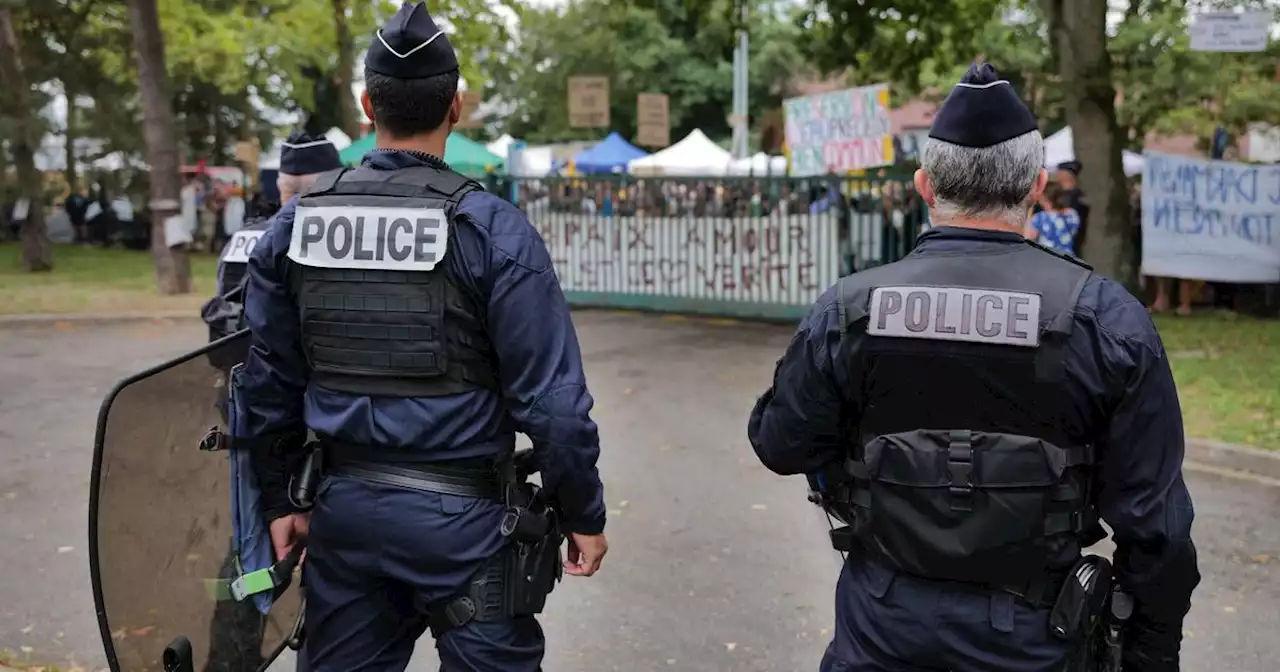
(959, 505)
(1081, 599)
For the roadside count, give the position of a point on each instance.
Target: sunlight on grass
(90, 280)
(1228, 372)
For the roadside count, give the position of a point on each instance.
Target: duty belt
(482, 478)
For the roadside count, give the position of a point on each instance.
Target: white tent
(535, 161)
(696, 155)
(501, 145)
(760, 164)
(1060, 148)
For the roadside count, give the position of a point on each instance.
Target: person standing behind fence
(1057, 223)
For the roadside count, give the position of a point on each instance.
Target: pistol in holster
(1091, 611)
(517, 580)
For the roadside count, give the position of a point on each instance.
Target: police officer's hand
(287, 530)
(586, 552)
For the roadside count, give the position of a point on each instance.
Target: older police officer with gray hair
(972, 413)
(414, 323)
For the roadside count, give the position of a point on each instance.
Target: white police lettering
(956, 314)
(241, 246)
(391, 239)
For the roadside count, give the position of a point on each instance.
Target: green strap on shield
(256, 582)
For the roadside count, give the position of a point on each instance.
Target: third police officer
(972, 413)
(414, 323)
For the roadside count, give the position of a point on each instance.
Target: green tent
(461, 153)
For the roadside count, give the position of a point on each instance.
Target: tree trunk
(70, 135)
(37, 252)
(342, 77)
(1078, 37)
(173, 268)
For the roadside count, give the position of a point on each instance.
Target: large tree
(37, 254)
(1078, 35)
(173, 268)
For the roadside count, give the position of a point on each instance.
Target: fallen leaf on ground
(759, 507)
(27, 630)
(623, 504)
(1260, 559)
(142, 632)
(1229, 610)
(730, 645)
(66, 549)
(10, 495)
(26, 649)
(671, 661)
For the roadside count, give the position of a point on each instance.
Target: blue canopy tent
(607, 156)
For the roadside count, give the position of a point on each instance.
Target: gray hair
(984, 182)
(293, 184)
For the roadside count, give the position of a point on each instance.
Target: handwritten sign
(653, 122)
(1230, 31)
(589, 102)
(839, 131)
(779, 259)
(470, 117)
(1210, 220)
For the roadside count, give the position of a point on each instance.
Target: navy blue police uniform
(414, 323)
(985, 403)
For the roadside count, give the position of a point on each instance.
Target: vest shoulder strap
(325, 182)
(413, 182)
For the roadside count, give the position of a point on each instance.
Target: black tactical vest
(961, 467)
(235, 254)
(377, 330)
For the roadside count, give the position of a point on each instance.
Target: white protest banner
(839, 131)
(1210, 220)
(1230, 31)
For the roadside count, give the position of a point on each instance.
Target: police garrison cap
(981, 111)
(411, 46)
(303, 154)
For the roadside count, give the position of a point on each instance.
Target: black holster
(1093, 612)
(517, 580)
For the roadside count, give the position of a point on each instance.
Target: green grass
(1228, 372)
(91, 280)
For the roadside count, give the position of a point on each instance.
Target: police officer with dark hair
(971, 414)
(414, 323)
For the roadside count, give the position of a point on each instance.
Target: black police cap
(1072, 167)
(981, 111)
(410, 46)
(303, 154)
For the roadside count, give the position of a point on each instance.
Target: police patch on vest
(391, 239)
(241, 246)
(956, 314)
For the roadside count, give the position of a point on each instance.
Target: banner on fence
(1210, 220)
(839, 131)
(781, 260)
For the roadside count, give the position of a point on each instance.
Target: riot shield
(160, 530)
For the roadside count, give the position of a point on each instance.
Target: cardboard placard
(653, 120)
(589, 102)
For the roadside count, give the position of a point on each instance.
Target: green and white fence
(761, 248)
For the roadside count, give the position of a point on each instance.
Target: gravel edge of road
(1217, 454)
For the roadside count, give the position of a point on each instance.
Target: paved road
(715, 563)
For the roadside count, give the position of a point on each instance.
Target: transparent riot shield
(160, 532)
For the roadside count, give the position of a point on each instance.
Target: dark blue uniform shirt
(1116, 370)
(544, 391)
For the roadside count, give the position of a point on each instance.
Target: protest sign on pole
(1230, 31)
(840, 131)
(653, 121)
(589, 102)
(470, 107)
(1210, 220)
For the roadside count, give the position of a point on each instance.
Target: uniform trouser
(887, 621)
(379, 557)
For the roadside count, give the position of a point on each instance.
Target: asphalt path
(714, 562)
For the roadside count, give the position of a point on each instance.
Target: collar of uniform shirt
(391, 159)
(965, 233)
